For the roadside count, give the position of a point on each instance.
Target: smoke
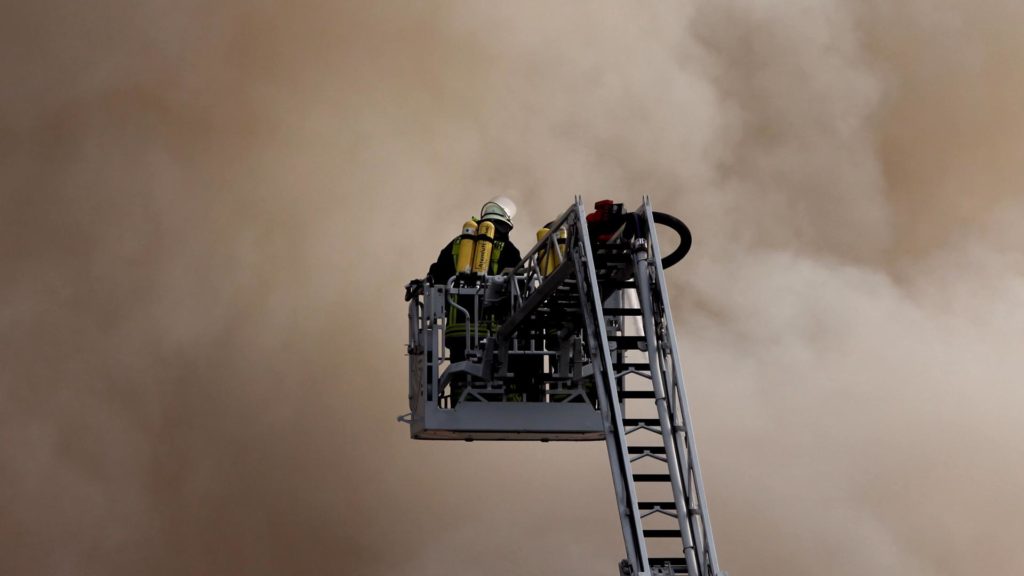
(208, 213)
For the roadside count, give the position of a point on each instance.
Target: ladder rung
(628, 394)
(646, 449)
(612, 256)
(640, 366)
(641, 421)
(651, 477)
(676, 563)
(630, 342)
(653, 505)
(622, 312)
(662, 533)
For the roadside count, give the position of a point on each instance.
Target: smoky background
(208, 211)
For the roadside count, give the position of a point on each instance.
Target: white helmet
(499, 208)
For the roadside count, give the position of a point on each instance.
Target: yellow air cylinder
(542, 254)
(464, 263)
(563, 239)
(482, 252)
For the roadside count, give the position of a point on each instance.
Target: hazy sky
(208, 211)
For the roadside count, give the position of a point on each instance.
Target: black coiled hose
(685, 239)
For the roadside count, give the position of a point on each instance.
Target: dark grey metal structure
(576, 342)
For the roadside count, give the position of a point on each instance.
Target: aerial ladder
(576, 342)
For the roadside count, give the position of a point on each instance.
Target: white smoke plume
(208, 213)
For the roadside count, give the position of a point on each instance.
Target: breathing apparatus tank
(547, 260)
(482, 251)
(561, 238)
(464, 264)
(542, 254)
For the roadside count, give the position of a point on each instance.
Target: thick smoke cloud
(208, 213)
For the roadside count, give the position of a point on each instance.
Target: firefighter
(498, 212)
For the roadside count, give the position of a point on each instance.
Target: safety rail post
(414, 349)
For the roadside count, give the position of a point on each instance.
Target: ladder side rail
(535, 299)
(615, 442)
(615, 301)
(697, 517)
(665, 366)
(697, 513)
(665, 362)
(684, 410)
(549, 239)
(664, 355)
(611, 409)
(681, 498)
(525, 299)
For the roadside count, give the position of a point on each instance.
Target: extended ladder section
(657, 476)
(594, 304)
